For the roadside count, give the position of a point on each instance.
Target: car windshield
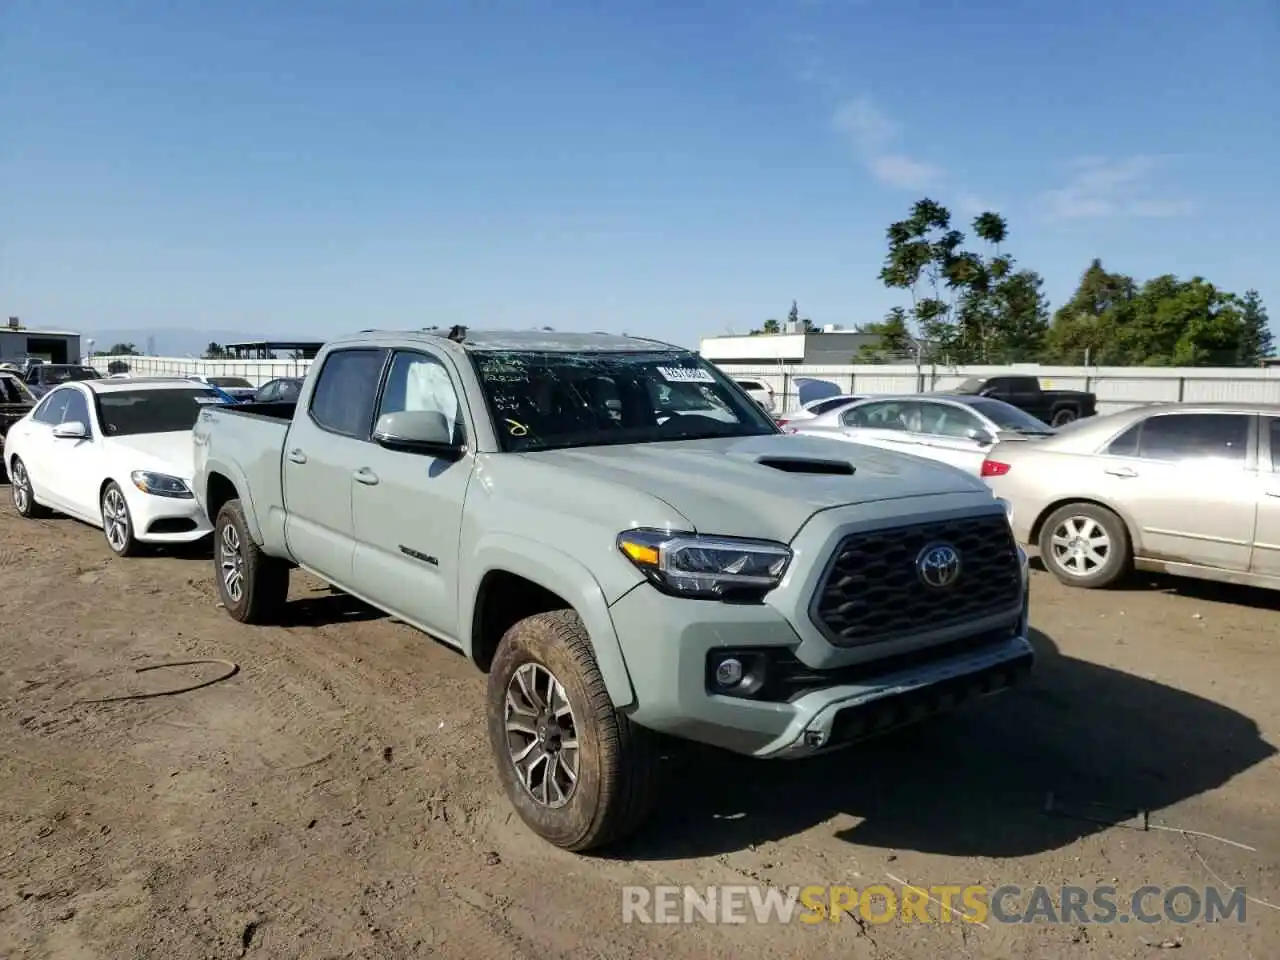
(224, 382)
(1008, 417)
(543, 400)
(124, 413)
(15, 391)
(55, 374)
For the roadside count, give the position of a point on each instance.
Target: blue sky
(672, 169)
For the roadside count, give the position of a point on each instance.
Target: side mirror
(981, 437)
(71, 430)
(417, 431)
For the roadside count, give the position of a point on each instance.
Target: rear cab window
(346, 391)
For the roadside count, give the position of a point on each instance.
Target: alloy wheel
(1081, 546)
(542, 735)
(20, 486)
(231, 562)
(115, 519)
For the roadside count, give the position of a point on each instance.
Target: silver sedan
(1182, 488)
(959, 430)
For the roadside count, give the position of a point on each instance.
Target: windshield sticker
(686, 375)
(516, 429)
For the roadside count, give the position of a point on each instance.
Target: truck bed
(246, 440)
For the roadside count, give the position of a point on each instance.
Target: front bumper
(166, 519)
(666, 642)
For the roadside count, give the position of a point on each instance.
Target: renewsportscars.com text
(881, 903)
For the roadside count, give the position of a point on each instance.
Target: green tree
(969, 306)
(1164, 322)
(214, 351)
(893, 339)
(122, 350)
(769, 326)
(1088, 324)
(1256, 340)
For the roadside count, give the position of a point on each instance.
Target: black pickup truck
(15, 401)
(1054, 407)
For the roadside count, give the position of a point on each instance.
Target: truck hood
(171, 453)
(765, 487)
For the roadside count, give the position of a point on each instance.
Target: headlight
(160, 484)
(706, 568)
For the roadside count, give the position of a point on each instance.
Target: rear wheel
(252, 586)
(1063, 417)
(579, 773)
(1085, 545)
(24, 497)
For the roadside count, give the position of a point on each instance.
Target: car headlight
(160, 484)
(706, 568)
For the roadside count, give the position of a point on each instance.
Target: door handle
(1124, 473)
(297, 456)
(366, 476)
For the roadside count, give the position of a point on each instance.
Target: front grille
(873, 590)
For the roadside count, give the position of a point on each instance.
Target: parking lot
(336, 797)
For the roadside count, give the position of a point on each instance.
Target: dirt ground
(336, 797)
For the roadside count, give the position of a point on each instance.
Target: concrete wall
(1116, 387)
(256, 372)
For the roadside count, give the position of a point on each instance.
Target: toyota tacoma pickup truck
(628, 546)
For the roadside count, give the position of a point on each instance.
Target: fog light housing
(729, 672)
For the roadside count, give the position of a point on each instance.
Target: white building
(829, 345)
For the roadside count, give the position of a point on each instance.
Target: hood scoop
(829, 468)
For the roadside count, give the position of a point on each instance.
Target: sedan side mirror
(981, 437)
(71, 430)
(418, 431)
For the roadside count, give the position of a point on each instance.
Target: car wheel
(24, 496)
(580, 774)
(1063, 417)
(1085, 545)
(252, 586)
(117, 524)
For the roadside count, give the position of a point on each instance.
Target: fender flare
(243, 494)
(564, 576)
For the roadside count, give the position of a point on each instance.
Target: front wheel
(1085, 545)
(252, 586)
(117, 523)
(580, 774)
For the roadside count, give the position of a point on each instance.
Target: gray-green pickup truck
(629, 547)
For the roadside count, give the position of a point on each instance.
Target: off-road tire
(264, 584)
(618, 765)
(1119, 560)
(29, 509)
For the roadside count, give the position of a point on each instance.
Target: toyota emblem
(938, 565)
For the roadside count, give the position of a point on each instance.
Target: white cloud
(906, 172)
(872, 135)
(1112, 188)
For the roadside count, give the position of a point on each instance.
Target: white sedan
(957, 429)
(113, 453)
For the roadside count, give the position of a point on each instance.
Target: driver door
(406, 507)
